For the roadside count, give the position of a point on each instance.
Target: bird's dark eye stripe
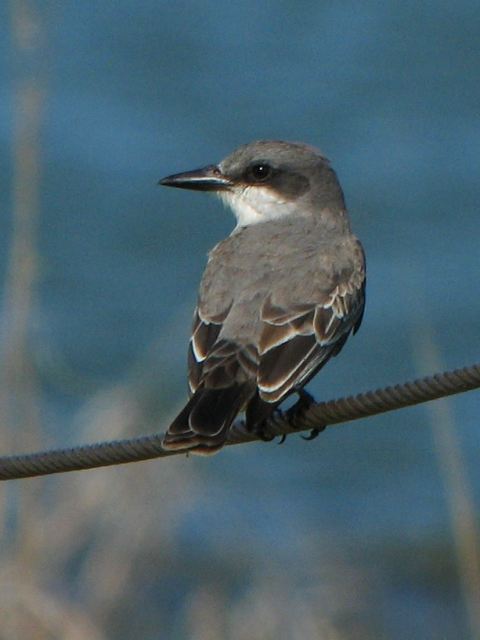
(259, 171)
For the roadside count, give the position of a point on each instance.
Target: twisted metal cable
(316, 416)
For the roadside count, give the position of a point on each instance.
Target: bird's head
(266, 180)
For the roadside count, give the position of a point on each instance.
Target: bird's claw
(261, 430)
(314, 433)
(261, 434)
(305, 400)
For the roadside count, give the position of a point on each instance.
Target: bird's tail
(202, 425)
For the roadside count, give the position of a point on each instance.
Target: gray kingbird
(279, 296)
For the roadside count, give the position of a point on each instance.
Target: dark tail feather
(202, 425)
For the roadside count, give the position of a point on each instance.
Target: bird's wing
(215, 363)
(220, 379)
(298, 340)
(205, 331)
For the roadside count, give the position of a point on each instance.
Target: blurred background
(368, 532)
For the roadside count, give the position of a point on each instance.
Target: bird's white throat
(252, 205)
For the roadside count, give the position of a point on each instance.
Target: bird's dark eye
(260, 171)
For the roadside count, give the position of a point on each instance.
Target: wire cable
(315, 417)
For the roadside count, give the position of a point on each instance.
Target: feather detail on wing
(205, 332)
(222, 379)
(297, 341)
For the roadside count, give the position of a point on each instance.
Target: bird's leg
(278, 413)
(261, 429)
(261, 433)
(314, 433)
(305, 400)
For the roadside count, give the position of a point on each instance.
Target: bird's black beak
(206, 179)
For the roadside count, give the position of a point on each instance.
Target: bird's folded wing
(205, 331)
(297, 340)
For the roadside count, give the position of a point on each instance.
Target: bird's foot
(314, 433)
(278, 413)
(304, 402)
(262, 434)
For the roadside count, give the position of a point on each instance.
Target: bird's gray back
(297, 260)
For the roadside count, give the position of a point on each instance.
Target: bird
(279, 296)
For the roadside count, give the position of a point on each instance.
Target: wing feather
(205, 332)
(294, 346)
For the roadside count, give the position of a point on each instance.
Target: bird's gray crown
(277, 151)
